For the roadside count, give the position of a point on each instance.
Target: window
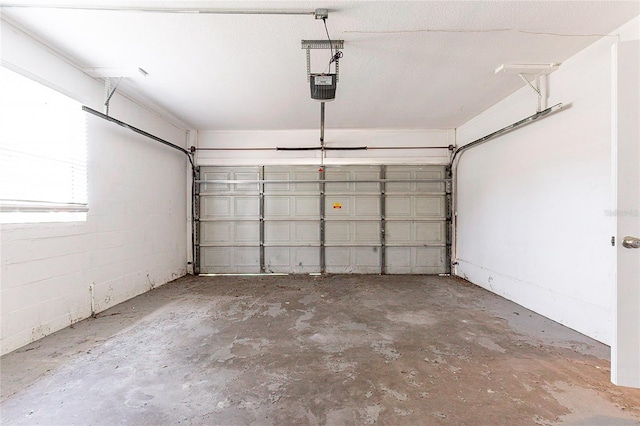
(43, 153)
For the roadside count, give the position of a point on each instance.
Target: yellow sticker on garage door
(337, 205)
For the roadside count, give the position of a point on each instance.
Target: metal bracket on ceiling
(109, 92)
(535, 70)
(111, 73)
(536, 88)
(321, 13)
(322, 44)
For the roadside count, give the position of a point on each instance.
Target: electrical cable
(324, 20)
(337, 55)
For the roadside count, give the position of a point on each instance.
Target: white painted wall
(532, 204)
(370, 138)
(134, 236)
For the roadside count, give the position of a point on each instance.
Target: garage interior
(449, 240)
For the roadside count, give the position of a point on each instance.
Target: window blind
(43, 149)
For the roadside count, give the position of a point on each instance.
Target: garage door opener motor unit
(323, 87)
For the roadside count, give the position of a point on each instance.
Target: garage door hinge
(613, 241)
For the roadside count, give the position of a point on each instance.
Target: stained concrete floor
(283, 350)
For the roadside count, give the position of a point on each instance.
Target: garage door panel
(353, 260)
(338, 232)
(430, 207)
(295, 260)
(253, 186)
(362, 187)
(306, 186)
(398, 257)
(415, 172)
(307, 206)
(336, 187)
(429, 186)
(228, 207)
(431, 232)
(246, 232)
(282, 232)
(337, 257)
(345, 232)
(367, 206)
(225, 233)
(216, 232)
(416, 232)
(306, 232)
(291, 207)
(398, 206)
(338, 206)
(215, 258)
(292, 174)
(367, 257)
(357, 207)
(403, 187)
(230, 259)
(357, 177)
(367, 232)
(416, 260)
(414, 206)
(277, 232)
(230, 173)
(219, 207)
(217, 187)
(246, 207)
(277, 207)
(429, 257)
(279, 187)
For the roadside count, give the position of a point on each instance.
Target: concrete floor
(315, 350)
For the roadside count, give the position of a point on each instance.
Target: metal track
(383, 257)
(323, 266)
(262, 261)
(195, 223)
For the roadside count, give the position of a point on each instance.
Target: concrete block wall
(532, 204)
(133, 238)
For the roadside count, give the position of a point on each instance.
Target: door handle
(631, 242)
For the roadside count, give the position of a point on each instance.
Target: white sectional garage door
(335, 219)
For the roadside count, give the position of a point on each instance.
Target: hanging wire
(334, 57)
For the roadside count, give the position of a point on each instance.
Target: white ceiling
(406, 64)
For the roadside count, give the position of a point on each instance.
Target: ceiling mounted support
(322, 44)
(109, 92)
(111, 73)
(536, 88)
(322, 13)
(535, 70)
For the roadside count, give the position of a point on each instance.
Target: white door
(625, 350)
